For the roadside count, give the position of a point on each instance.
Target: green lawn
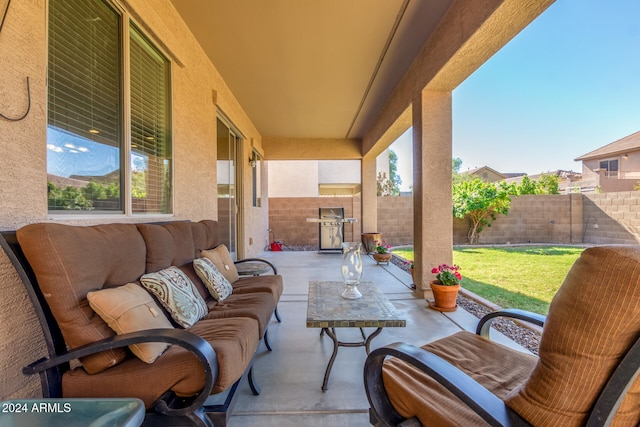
(525, 277)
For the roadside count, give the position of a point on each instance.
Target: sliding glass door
(227, 195)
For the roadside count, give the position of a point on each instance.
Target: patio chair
(586, 373)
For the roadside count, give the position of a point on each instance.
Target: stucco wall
(293, 178)
(198, 91)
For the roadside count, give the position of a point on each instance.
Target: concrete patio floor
(291, 375)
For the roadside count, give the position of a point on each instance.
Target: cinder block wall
(531, 219)
(617, 216)
(288, 219)
(395, 220)
(563, 219)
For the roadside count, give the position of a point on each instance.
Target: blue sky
(566, 85)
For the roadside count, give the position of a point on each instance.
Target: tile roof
(626, 144)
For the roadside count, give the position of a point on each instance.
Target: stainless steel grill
(331, 228)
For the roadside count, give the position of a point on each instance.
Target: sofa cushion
(130, 308)
(593, 321)
(177, 294)
(414, 393)
(216, 283)
(205, 235)
(167, 245)
(234, 341)
(271, 283)
(259, 306)
(69, 261)
(221, 258)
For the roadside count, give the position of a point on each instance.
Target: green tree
(138, 184)
(383, 185)
(527, 186)
(68, 198)
(549, 183)
(480, 201)
(113, 191)
(94, 191)
(394, 179)
(456, 164)
(456, 176)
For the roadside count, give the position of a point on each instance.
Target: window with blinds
(150, 124)
(86, 141)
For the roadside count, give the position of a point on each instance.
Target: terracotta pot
(444, 296)
(369, 241)
(382, 257)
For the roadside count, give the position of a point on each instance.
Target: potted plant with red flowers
(445, 287)
(382, 253)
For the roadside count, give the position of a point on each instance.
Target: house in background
(613, 167)
(488, 174)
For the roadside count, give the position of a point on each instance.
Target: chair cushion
(593, 321)
(130, 308)
(218, 285)
(234, 341)
(70, 261)
(413, 393)
(177, 294)
(221, 257)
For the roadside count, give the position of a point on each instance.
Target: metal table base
(331, 332)
(327, 310)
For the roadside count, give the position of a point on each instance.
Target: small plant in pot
(382, 253)
(446, 287)
(410, 263)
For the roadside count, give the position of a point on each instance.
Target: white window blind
(84, 138)
(87, 92)
(150, 126)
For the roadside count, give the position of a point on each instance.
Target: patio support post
(369, 195)
(433, 219)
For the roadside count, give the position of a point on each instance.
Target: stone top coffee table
(326, 309)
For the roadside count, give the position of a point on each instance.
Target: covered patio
(277, 80)
(291, 376)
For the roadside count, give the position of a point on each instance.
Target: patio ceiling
(305, 69)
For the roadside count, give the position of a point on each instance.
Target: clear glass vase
(351, 269)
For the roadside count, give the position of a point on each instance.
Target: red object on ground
(276, 246)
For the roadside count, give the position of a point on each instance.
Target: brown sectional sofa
(68, 262)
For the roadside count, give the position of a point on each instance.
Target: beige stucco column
(433, 221)
(369, 195)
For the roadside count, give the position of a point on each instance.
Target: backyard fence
(605, 218)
